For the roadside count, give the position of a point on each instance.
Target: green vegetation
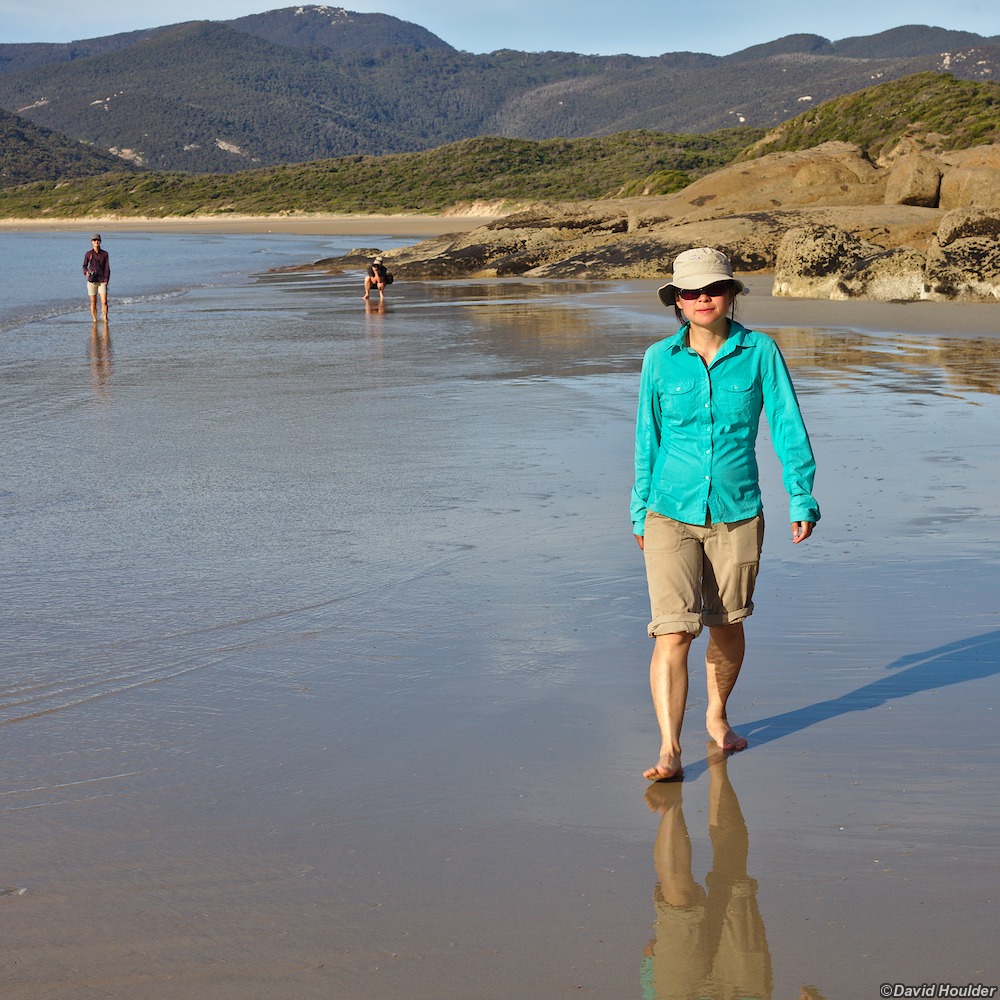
(315, 82)
(962, 113)
(488, 169)
(938, 109)
(29, 152)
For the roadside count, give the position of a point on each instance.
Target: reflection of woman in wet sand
(100, 361)
(706, 944)
(696, 503)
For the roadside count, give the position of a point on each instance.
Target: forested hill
(29, 152)
(933, 111)
(307, 83)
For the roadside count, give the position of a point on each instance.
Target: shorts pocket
(746, 539)
(664, 536)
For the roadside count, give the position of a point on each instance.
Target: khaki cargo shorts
(700, 575)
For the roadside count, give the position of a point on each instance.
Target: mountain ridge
(307, 83)
(879, 123)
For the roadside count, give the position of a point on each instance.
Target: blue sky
(639, 27)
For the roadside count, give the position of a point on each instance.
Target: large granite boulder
(963, 261)
(913, 180)
(833, 173)
(811, 259)
(890, 276)
(824, 262)
(971, 178)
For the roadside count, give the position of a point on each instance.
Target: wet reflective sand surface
(325, 663)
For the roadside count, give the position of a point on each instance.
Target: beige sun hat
(697, 268)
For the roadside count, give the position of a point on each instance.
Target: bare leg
(104, 307)
(368, 286)
(668, 683)
(93, 307)
(723, 659)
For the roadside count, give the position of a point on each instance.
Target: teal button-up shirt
(696, 431)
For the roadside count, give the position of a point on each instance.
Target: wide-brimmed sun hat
(697, 268)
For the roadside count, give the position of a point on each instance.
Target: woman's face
(709, 306)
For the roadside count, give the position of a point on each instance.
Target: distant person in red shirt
(97, 268)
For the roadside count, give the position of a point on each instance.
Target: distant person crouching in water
(696, 505)
(377, 277)
(97, 269)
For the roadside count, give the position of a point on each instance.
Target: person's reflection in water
(705, 944)
(100, 361)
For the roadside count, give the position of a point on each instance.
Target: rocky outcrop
(964, 258)
(920, 223)
(823, 262)
(961, 263)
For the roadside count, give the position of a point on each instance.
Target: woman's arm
(647, 444)
(791, 442)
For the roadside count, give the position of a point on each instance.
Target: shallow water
(324, 653)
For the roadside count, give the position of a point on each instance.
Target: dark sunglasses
(713, 290)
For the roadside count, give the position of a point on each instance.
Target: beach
(344, 225)
(325, 654)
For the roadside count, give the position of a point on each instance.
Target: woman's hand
(801, 530)
(640, 540)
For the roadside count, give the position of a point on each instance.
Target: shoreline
(761, 310)
(307, 225)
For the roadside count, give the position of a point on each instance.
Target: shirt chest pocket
(738, 397)
(678, 397)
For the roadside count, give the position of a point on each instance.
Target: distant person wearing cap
(696, 503)
(377, 277)
(97, 269)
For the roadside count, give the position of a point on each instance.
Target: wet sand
(326, 664)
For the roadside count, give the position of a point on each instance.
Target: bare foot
(667, 768)
(365, 296)
(728, 739)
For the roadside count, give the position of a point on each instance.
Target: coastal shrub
(483, 169)
(963, 112)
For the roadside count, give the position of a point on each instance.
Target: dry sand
(348, 225)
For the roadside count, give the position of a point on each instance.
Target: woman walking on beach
(97, 269)
(696, 504)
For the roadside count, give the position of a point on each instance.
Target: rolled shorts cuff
(668, 625)
(727, 617)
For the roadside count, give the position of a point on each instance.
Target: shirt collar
(737, 338)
